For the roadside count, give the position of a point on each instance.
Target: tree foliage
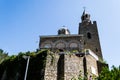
(113, 74)
(13, 67)
(106, 74)
(3, 55)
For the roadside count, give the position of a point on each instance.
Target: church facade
(75, 54)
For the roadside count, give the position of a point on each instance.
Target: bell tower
(90, 33)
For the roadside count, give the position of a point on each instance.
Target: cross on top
(84, 7)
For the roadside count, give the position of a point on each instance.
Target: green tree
(3, 55)
(113, 74)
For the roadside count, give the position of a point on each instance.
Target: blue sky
(23, 21)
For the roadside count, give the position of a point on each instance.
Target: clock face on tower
(60, 45)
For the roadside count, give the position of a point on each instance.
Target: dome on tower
(63, 31)
(85, 17)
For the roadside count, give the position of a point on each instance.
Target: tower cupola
(85, 17)
(63, 31)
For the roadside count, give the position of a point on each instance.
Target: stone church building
(75, 54)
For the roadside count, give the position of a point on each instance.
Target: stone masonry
(73, 55)
(67, 66)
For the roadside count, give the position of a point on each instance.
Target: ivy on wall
(13, 67)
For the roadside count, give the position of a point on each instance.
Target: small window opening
(89, 35)
(96, 50)
(84, 43)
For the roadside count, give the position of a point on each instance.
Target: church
(75, 54)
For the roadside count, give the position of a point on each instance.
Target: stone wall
(66, 42)
(63, 67)
(68, 66)
(92, 68)
(73, 66)
(91, 41)
(51, 67)
(46, 65)
(101, 65)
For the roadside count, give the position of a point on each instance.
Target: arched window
(86, 15)
(89, 35)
